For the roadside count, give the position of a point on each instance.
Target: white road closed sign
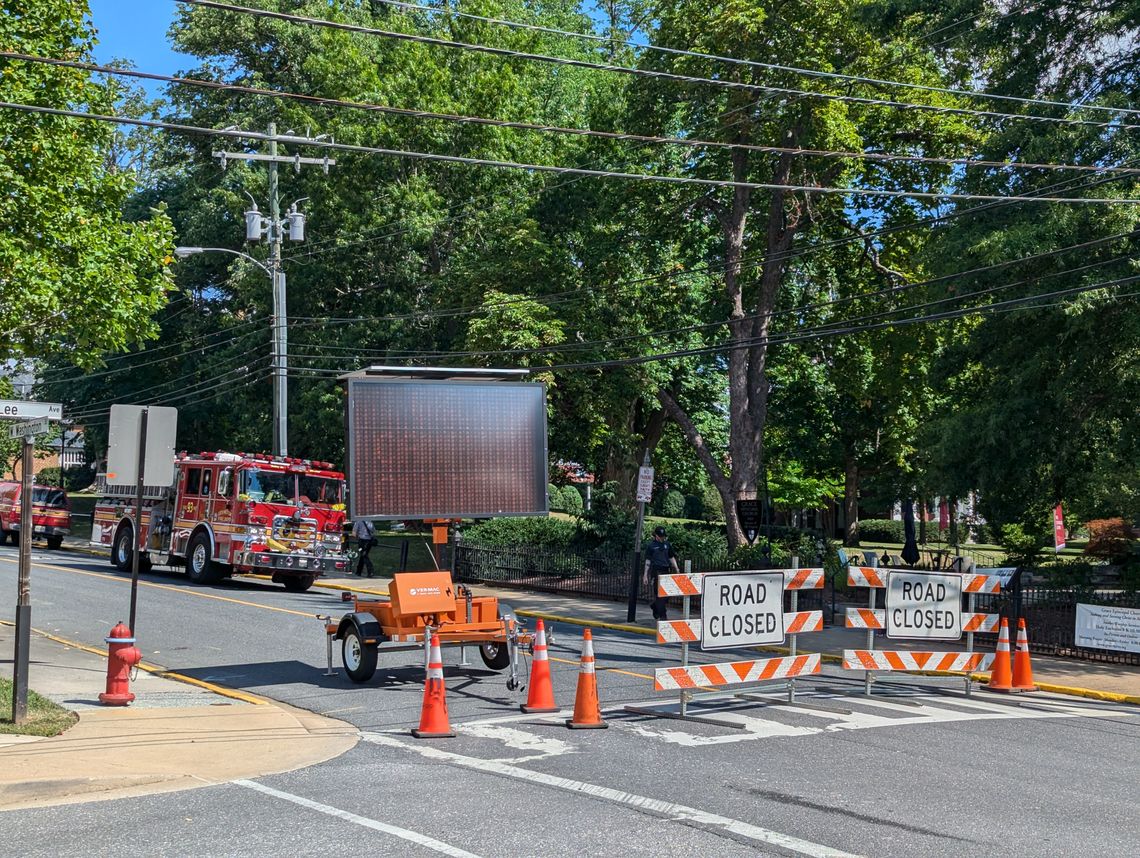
(924, 605)
(742, 609)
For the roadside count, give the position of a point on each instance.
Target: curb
(161, 672)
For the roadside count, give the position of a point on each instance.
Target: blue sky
(136, 30)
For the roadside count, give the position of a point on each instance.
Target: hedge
(881, 530)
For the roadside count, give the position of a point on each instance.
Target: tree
(77, 278)
(757, 260)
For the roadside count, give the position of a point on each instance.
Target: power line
(616, 136)
(610, 341)
(816, 73)
(669, 76)
(548, 168)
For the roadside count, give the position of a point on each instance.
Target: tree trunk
(851, 501)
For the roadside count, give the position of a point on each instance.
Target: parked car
(51, 514)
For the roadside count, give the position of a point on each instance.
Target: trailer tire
(54, 543)
(359, 657)
(299, 584)
(200, 566)
(496, 656)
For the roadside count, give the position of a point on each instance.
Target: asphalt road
(916, 770)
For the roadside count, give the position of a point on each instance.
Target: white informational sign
(18, 409)
(29, 428)
(1108, 627)
(644, 485)
(1003, 573)
(123, 454)
(924, 605)
(742, 609)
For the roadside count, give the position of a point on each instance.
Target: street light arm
(183, 252)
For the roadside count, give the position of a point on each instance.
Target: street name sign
(29, 428)
(742, 609)
(644, 484)
(19, 409)
(924, 605)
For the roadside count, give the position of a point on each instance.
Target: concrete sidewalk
(174, 736)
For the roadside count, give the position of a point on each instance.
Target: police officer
(659, 559)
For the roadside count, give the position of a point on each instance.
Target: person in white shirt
(365, 533)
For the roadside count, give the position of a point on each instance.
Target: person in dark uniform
(365, 533)
(660, 558)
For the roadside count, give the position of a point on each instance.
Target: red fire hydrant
(122, 655)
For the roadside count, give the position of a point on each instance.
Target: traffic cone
(433, 715)
(540, 698)
(1000, 677)
(1022, 669)
(587, 712)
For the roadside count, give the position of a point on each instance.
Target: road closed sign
(924, 605)
(742, 609)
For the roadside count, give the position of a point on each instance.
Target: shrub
(673, 504)
(572, 500)
(527, 530)
(607, 521)
(1021, 548)
(713, 505)
(555, 495)
(695, 541)
(694, 507)
(49, 477)
(1109, 539)
(881, 530)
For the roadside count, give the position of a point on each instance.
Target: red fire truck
(229, 513)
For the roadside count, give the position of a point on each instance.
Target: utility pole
(275, 228)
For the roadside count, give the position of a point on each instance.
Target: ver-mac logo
(424, 591)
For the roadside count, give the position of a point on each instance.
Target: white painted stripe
(375, 825)
(667, 809)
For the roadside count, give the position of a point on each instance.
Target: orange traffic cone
(433, 715)
(587, 712)
(1000, 677)
(1022, 669)
(540, 698)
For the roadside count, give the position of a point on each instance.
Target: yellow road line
(184, 591)
(156, 670)
(610, 669)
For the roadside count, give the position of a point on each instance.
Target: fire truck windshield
(277, 487)
(318, 489)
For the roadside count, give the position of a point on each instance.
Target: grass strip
(44, 717)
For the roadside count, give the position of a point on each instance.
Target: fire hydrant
(122, 655)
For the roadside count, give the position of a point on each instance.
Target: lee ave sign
(742, 609)
(924, 605)
(19, 409)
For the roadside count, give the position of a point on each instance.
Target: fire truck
(230, 513)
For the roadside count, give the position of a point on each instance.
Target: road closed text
(742, 609)
(924, 605)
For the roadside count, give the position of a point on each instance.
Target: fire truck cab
(230, 513)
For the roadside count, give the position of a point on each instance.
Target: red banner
(943, 515)
(1058, 529)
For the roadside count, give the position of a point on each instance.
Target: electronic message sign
(446, 448)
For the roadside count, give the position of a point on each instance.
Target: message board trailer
(923, 606)
(739, 609)
(426, 443)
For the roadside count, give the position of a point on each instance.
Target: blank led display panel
(446, 449)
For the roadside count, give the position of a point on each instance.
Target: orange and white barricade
(873, 618)
(687, 677)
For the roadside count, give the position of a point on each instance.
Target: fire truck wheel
(495, 655)
(359, 657)
(121, 549)
(299, 585)
(200, 567)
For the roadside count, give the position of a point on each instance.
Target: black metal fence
(1050, 617)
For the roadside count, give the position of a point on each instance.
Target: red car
(51, 514)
